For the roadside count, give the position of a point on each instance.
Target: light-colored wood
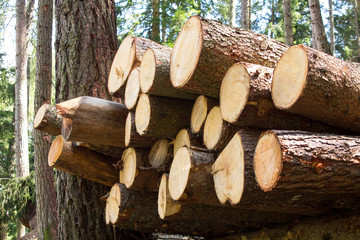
(160, 155)
(133, 138)
(201, 108)
(47, 120)
(166, 205)
(132, 89)
(186, 138)
(112, 204)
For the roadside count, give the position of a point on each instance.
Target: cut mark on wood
(213, 128)
(132, 88)
(147, 70)
(198, 114)
(182, 139)
(166, 205)
(128, 172)
(158, 153)
(55, 150)
(142, 114)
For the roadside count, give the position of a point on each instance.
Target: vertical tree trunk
(332, 34)
(164, 17)
(317, 28)
(44, 175)
(245, 14)
(3, 231)
(289, 37)
(232, 13)
(356, 16)
(155, 22)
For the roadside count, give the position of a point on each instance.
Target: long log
(201, 108)
(206, 49)
(155, 74)
(93, 120)
(186, 138)
(136, 172)
(160, 155)
(161, 117)
(133, 138)
(82, 162)
(313, 84)
(132, 89)
(165, 204)
(47, 120)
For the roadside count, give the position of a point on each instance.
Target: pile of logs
(229, 131)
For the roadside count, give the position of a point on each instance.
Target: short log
(200, 110)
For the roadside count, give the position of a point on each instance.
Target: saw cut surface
(179, 173)
(127, 174)
(147, 70)
(113, 203)
(132, 88)
(213, 127)
(267, 161)
(198, 114)
(186, 52)
(55, 150)
(122, 64)
(166, 206)
(234, 92)
(142, 114)
(128, 126)
(182, 139)
(228, 172)
(40, 115)
(289, 77)
(158, 152)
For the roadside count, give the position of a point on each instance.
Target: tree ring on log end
(55, 150)
(128, 172)
(158, 152)
(198, 114)
(122, 64)
(128, 130)
(267, 161)
(289, 78)
(182, 139)
(132, 88)
(147, 70)
(166, 206)
(234, 92)
(142, 114)
(112, 204)
(228, 172)
(213, 128)
(40, 115)
(186, 52)
(179, 173)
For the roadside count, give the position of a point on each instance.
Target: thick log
(206, 49)
(201, 108)
(186, 138)
(166, 205)
(133, 138)
(136, 172)
(217, 132)
(245, 100)
(161, 117)
(93, 120)
(114, 152)
(132, 88)
(160, 155)
(128, 55)
(155, 74)
(82, 162)
(313, 84)
(47, 120)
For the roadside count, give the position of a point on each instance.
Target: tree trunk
(289, 37)
(3, 231)
(318, 86)
(317, 28)
(44, 176)
(193, 69)
(201, 108)
(357, 29)
(232, 16)
(245, 14)
(155, 21)
(332, 34)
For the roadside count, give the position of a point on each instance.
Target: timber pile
(209, 139)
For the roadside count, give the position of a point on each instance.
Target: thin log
(206, 49)
(313, 84)
(160, 155)
(133, 138)
(161, 117)
(200, 110)
(186, 138)
(82, 162)
(47, 120)
(93, 120)
(166, 205)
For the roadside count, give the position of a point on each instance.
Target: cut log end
(182, 139)
(128, 126)
(179, 173)
(142, 114)
(166, 206)
(122, 64)
(112, 204)
(39, 117)
(213, 128)
(228, 172)
(158, 153)
(55, 150)
(132, 88)
(128, 172)
(198, 114)
(267, 161)
(186, 52)
(147, 70)
(234, 92)
(289, 77)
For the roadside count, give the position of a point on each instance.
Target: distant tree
(245, 14)
(232, 13)
(155, 22)
(289, 38)
(357, 30)
(332, 33)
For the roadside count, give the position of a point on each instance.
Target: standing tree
(356, 20)
(44, 175)
(245, 14)
(317, 28)
(155, 23)
(232, 13)
(289, 37)
(332, 34)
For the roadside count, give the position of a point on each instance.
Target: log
(161, 117)
(205, 49)
(132, 89)
(323, 163)
(114, 152)
(136, 172)
(190, 178)
(160, 155)
(166, 205)
(47, 120)
(201, 108)
(313, 84)
(245, 100)
(93, 120)
(133, 138)
(217, 132)
(82, 162)
(155, 74)
(186, 138)
(128, 55)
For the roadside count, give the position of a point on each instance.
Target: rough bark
(201, 108)
(289, 37)
(46, 118)
(332, 34)
(202, 68)
(357, 29)
(328, 89)
(245, 14)
(317, 28)
(133, 138)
